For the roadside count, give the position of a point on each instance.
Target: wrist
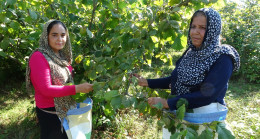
(165, 104)
(78, 88)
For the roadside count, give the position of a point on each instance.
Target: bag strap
(51, 112)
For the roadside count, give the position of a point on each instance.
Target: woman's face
(57, 37)
(198, 29)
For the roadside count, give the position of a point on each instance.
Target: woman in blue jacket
(202, 73)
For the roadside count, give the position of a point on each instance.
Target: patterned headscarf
(196, 62)
(60, 74)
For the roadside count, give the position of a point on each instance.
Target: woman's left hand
(154, 100)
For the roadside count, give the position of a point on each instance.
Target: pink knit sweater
(40, 76)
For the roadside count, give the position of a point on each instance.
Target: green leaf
(167, 121)
(122, 5)
(142, 106)
(12, 11)
(155, 39)
(90, 34)
(177, 43)
(128, 101)
(131, 1)
(5, 43)
(111, 94)
(87, 2)
(98, 86)
(92, 75)
(10, 2)
(183, 133)
(159, 106)
(78, 59)
(99, 68)
(206, 134)
(213, 125)
(180, 102)
(174, 24)
(194, 127)
(109, 110)
(65, 1)
(223, 132)
(2, 53)
(205, 1)
(172, 2)
(79, 97)
(134, 80)
(191, 133)
(160, 123)
(110, 64)
(176, 9)
(116, 102)
(181, 112)
(176, 135)
(33, 15)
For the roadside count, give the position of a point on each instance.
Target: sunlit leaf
(155, 39)
(90, 34)
(78, 59)
(109, 110)
(172, 2)
(181, 112)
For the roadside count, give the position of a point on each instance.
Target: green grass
(243, 101)
(17, 116)
(18, 119)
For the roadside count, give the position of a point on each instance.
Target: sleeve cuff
(172, 103)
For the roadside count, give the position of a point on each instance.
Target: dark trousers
(50, 125)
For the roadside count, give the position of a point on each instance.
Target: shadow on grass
(25, 129)
(18, 118)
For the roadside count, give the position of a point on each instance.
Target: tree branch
(93, 13)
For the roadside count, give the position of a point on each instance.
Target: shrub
(241, 30)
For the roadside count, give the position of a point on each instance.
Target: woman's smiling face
(198, 30)
(57, 37)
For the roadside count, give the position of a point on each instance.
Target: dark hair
(54, 23)
(198, 13)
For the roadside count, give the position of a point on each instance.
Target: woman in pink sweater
(48, 70)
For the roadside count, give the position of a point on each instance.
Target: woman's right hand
(84, 88)
(141, 80)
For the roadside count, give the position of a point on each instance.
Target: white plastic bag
(78, 122)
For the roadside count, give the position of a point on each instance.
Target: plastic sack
(78, 122)
(207, 114)
(204, 114)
